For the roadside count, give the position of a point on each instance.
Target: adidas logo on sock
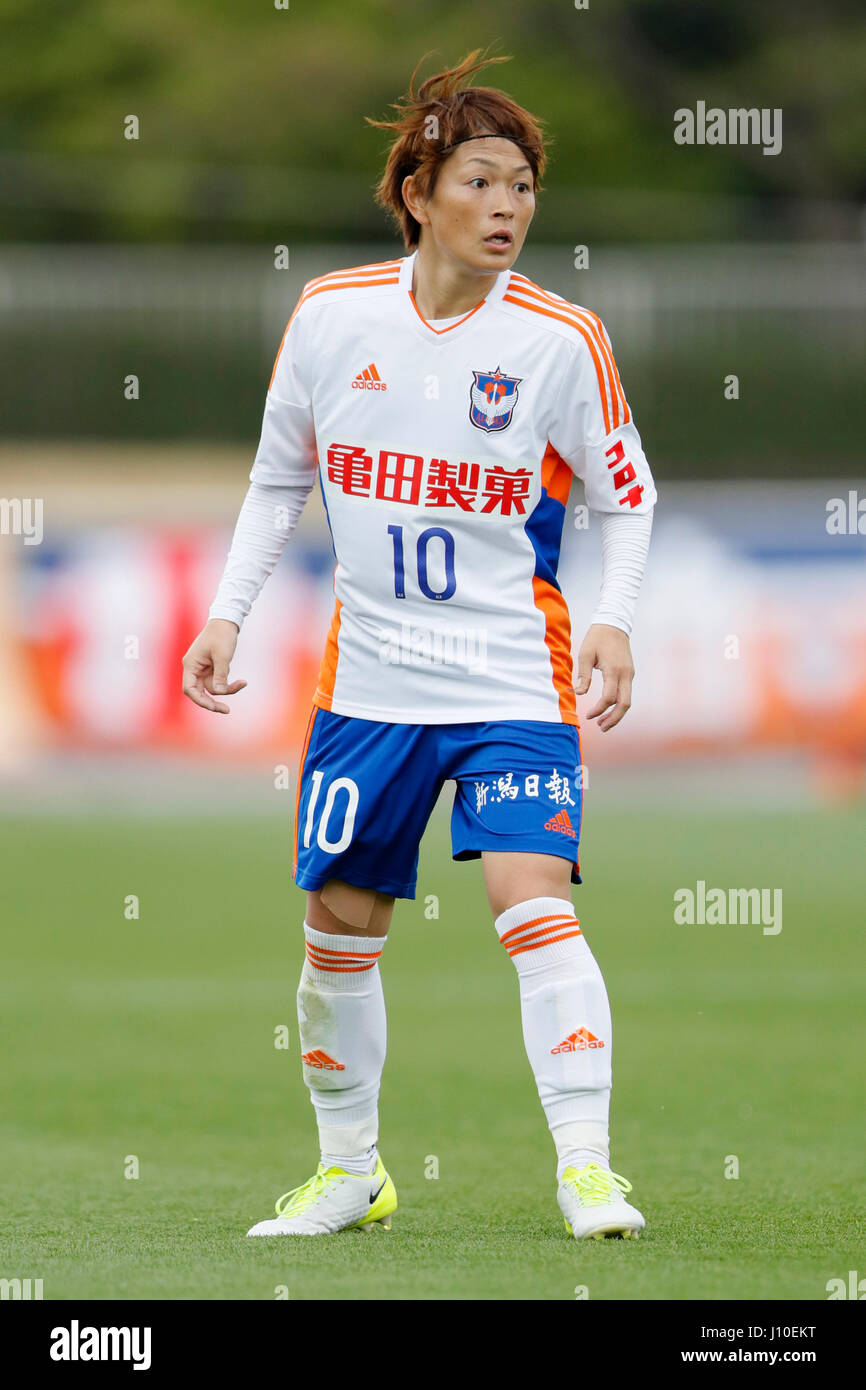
(578, 1042)
(369, 380)
(561, 823)
(317, 1058)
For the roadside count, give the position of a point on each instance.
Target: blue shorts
(366, 790)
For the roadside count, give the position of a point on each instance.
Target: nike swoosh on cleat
(376, 1193)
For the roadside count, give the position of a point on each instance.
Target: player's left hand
(608, 649)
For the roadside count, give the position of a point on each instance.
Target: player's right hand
(206, 665)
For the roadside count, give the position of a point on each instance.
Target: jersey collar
(407, 270)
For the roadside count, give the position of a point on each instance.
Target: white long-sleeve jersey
(445, 456)
(270, 512)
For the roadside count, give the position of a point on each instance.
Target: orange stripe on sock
(340, 969)
(343, 955)
(341, 962)
(539, 937)
(561, 917)
(534, 945)
(538, 932)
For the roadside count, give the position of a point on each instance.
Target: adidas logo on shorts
(561, 823)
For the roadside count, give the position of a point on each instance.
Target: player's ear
(414, 201)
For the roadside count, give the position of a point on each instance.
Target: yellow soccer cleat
(591, 1201)
(333, 1200)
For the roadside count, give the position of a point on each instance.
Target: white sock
(364, 1164)
(341, 1020)
(566, 1024)
(579, 1158)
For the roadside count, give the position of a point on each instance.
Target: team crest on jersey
(492, 398)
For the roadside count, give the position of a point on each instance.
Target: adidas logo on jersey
(369, 380)
(318, 1058)
(561, 823)
(577, 1042)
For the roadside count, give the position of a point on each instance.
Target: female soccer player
(445, 402)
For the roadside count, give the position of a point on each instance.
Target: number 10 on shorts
(345, 838)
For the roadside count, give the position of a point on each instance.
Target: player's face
(482, 205)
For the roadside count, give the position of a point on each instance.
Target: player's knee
(346, 910)
(509, 893)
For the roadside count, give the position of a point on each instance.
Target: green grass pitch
(155, 1038)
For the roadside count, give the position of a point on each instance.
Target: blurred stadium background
(156, 257)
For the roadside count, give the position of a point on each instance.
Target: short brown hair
(457, 112)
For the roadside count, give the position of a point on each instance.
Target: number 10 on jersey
(427, 537)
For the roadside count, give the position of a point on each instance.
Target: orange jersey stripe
(298, 791)
(595, 326)
(556, 475)
(336, 280)
(374, 268)
(594, 323)
(451, 325)
(323, 282)
(557, 636)
(349, 285)
(585, 334)
(556, 480)
(328, 670)
(282, 341)
(603, 336)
